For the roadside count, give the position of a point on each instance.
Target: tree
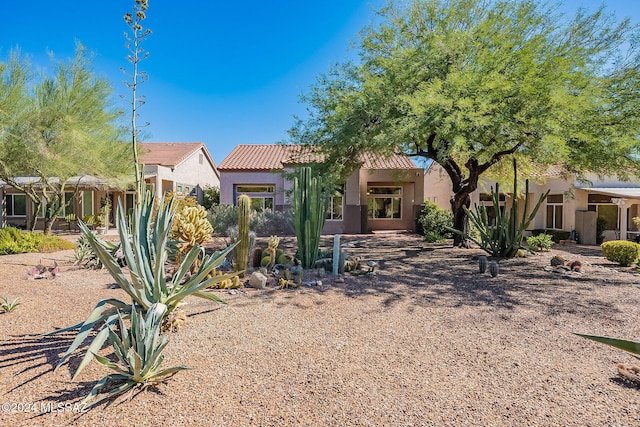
(468, 83)
(55, 127)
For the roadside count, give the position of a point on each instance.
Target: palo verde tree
(468, 83)
(55, 129)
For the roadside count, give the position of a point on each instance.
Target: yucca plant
(8, 306)
(145, 253)
(139, 353)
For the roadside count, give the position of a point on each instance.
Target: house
(384, 194)
(179, 167)
(572, 204)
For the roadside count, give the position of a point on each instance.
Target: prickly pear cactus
(482, 263)
(493, 268)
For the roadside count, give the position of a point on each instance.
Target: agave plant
(632, 347)
(145, 253)
(139, 352)
(7, 305)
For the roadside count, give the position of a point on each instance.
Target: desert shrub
(210, 197)
(541, 242)
(16, 241)
(222, 218)
(556, 235)
(54, 243)
(264, 223)
(270, 223)
(621, 251)
(432, 222)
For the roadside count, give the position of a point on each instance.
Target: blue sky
(222, 73)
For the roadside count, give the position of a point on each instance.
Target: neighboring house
(179, 167)
(384, 194)
(571, 204)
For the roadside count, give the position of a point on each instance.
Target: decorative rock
(257, 280)
(340, 279)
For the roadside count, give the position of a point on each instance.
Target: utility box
(586, 227)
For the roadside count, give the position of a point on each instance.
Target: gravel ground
(427, 341)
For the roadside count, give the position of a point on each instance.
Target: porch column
(623, 205)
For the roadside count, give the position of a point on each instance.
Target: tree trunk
(48, 225)
(460, 219)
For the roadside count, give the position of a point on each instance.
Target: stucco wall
(228, 179)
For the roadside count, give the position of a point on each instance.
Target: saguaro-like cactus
(244, 217)
(309, 212)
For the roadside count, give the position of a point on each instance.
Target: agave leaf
(96, 317)
(193, 286)
(115, 392)
(185, 266)
(169, 372)
(209, 296)
(626, 345)
(108, 363)
(95, 345)
(107, 259)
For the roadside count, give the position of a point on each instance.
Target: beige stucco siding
(229, 179)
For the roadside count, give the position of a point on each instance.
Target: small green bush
(432, 222)
(621, 251)
(264, 223)
(541, 242)
(16, 241)
(556, 235)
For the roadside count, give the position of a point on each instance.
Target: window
(486, 200)
(384, 202)
(262, 196)
(606, 209)
(15, 204)
(555, 211)
(87, 203)
(334, 210)
(201, 158)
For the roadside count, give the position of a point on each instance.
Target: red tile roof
(167, 153)
(274, 156)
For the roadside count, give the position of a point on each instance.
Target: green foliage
(309, 208)
(145, 253)
(621, 251)
(244, 218)
(468, 83)
(139, 352)
(210, 197)
(632, 347)
(433, 222)
(264, 223)
(7, 306)
(16, 241)
(556, 235)
(601, 225)
(88, 258)
(541, 242)
(59, 125)
(503, 238)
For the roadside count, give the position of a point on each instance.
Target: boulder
(257, 280)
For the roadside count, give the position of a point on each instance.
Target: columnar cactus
(309, 212)
(482, 263)
(244, 217)
(493, 268)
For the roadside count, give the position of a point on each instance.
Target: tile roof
(167, 153)
(274, 156)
